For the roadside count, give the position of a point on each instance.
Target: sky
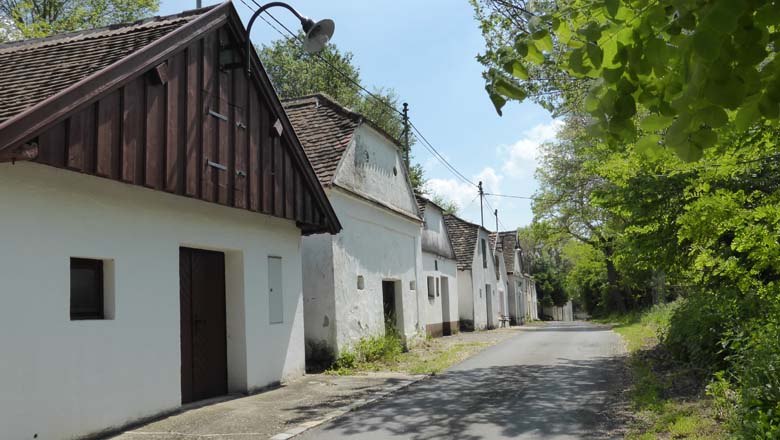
(425, 51)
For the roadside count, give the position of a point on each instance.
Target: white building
(478, 304)
(440, 271)
(370, 273)
(502, 280)
(521, 289)
(143, 264)
(560, 313)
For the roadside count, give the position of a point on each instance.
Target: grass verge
(428, 356)
(667, 398)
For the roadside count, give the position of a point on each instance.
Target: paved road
(546, 383)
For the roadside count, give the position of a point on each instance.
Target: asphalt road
(548, 382)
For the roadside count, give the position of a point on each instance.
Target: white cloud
(523, 154)
(463, 193)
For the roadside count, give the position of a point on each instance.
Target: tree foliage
(22, 19)
(672, 73)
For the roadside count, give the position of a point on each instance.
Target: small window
(436, 264)
(86, 289)
(413, 285)
(431, 288)
(438, 285)
(484, 253)
(361, 282)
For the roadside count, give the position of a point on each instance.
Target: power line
(426, 144)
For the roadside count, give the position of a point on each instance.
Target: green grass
(657, 415)
(427, 356)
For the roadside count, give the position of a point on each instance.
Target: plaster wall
(482, 276)
(378, 245)
(435, 314)
(465, 299)
(435, 238)
(319, 302)
(61, 378)
(501, 284)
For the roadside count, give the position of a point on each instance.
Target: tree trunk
(615, 300)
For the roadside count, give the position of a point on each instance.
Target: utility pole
(481, 212)
(496, 214)
(198, 4)
(407, 147)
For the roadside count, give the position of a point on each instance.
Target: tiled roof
(506, 244)
(33, 70)
(421, 202)
(325, 128)
(463, 236)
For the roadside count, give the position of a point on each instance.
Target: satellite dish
(318, 35)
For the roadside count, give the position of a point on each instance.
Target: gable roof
(325, 129)
(506, 243)
(29, 121)
(463, 236)
(427, 246)
(33, 70)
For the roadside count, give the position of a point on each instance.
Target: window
(413, 285)
(484, 253)
(431, 288)
(438, 284)
(436, 264)
(361, 282)
(86, 289)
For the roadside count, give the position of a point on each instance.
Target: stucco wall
(465, 298)
(435, 238)
(482, 276)
(434, 312)
(377, 245)
(61, 378)
(319, 303)
(372, 167)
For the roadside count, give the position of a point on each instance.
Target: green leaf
(768, 107)
(509, 90)
(625, 107)
(534, 55)
(595, 55)
(655, 122)
(747, 116)
(704, 137)
(713, 116)
(648, 145)
(612, 76)
(612, 7)
(498, 102)
(576, 62)
(706, 44)
(543, 42)
(688, 152)
(516, 69)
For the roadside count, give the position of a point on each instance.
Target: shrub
(386, 349)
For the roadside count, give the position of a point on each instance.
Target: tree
(448, 206)
(22, 19)
(295, 73)
(673, 73)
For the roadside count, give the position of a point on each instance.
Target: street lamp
(317, 34)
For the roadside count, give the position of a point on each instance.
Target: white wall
(378, 245)
(319, 303)
(61, 378)
(447, 269)
(480, 277)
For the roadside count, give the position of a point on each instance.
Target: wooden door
(203, 324)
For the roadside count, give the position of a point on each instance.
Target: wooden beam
(22, 152)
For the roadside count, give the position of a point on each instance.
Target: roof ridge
(329, 100)
(85, 34)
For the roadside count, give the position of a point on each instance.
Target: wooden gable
(195, 124)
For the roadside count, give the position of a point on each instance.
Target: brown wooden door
(203, 330)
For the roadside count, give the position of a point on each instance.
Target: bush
(386, 349)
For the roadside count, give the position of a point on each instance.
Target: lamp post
(317, 34)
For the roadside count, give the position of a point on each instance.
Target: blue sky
(426, 50)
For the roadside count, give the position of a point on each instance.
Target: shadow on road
(539, 401)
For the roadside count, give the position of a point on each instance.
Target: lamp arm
(252, 22)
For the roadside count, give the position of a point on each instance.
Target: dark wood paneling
(194, 118)
(132, 130)
(210, 96)
(255, 166)
(175, 135)
(160, 132)
(81, 140)
(155, 135)
(241, 142)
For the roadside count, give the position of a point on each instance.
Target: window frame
(98, 268)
